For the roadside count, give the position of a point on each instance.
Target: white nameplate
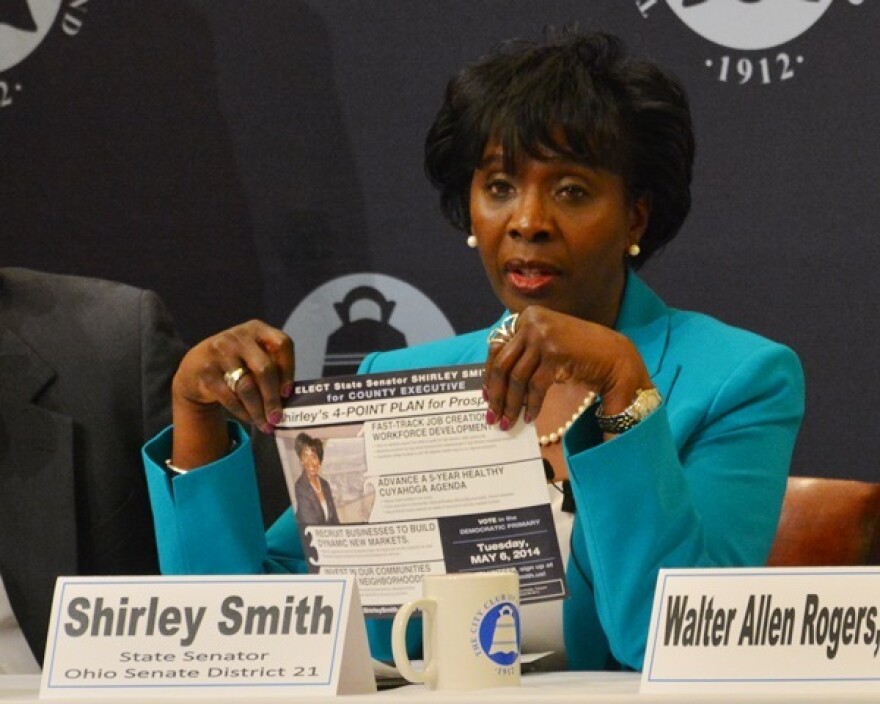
(265, 635)
(747, 630)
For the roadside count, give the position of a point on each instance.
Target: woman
(570, 165)
(314, 500)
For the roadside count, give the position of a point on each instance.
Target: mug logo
(24, 24)
(744, 27)
(499, 634)
(335, 326)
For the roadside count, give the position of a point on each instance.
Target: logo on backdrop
(24, 25)
(498, 634)
(755, 32)
(340, 322)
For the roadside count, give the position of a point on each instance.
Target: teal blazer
(699, 483)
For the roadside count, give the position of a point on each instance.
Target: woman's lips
(529, 278)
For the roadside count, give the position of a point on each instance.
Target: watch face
(645, 404)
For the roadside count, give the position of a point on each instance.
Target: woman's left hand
(549, 347)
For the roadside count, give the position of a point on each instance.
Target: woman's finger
(275, 375)
(281, 349)
(266, 360)
(539, 382)
(250, 393)
(219, 387)
(519, 382)
(236, 355)
(501, 360)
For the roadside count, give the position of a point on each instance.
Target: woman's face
(554, 233)
(310, 462)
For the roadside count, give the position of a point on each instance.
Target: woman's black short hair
(304, 440)
(580, 96)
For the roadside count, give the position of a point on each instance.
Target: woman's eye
(572, 191)
(499, 188)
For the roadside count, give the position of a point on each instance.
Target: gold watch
(646, 402)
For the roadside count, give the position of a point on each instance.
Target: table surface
(568, 687)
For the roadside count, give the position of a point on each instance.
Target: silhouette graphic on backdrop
(17, 13)
(351, 342)
(691, 3)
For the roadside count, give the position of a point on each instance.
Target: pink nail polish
(275, 417)
(490, 417)
(286, 390)
(527, 417)
(268, 429)
(504, 424)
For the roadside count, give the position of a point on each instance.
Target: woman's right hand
(548, 347)
(202, 396)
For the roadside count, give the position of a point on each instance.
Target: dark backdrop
(236, 155)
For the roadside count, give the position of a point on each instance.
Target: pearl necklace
(556, 435)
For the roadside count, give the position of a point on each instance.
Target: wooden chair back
(828, 522)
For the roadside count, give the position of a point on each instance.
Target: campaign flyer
(394, 476)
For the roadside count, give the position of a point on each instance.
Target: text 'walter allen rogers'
(703, 624)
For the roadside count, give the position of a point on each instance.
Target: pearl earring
(472, 241)
(634, 250)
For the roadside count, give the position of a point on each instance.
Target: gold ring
(232, 378)
(505, 331)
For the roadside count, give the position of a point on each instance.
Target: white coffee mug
(471, 631)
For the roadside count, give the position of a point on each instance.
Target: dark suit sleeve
(107, 353)
(161, 351)
(140, 354)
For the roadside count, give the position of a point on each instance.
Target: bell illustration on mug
(350, 343)
(499, 633)
(505, 641)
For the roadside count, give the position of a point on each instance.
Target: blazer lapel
(37, 491)
(645, 319)
(477, 349)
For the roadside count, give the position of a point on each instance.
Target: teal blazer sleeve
(209, 521)
(697, 484)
